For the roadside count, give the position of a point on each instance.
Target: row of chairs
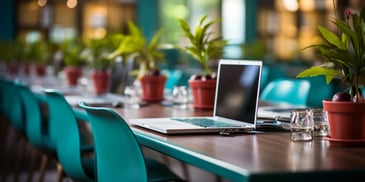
(53, 128)
(308, 92)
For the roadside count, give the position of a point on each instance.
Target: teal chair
(319, 91)
(73, 154)
(118, 153)
(286, 91)
(173, 77)
(37, 130)
(13, 113)
(264, 76)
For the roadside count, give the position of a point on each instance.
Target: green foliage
(13, 51)
(97, 51)
(39, 52)
(71, 50)
(203, 48)
(255, 49)
(135, 45)
(343, 53)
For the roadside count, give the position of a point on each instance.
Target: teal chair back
(14, 109)
(2, 95)
(66, 135)
(286, 91)
(319, 91)
(33, 119)
(264, 76)
(118, 154)
(173, 77)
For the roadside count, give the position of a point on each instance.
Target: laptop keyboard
(206, 122)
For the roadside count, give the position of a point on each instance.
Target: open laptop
(235, 106)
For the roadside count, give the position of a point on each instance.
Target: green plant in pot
(96, 53)
(39, 53)
(343, 54)
(20, 51)
(71, 50)
(147, 57)
(205, 50)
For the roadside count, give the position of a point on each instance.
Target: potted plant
(96, 54)
(205, 50)
(71, 50)
(343, 56)
(7, 55)
(39, 52)
(147, 56)
(21, 56)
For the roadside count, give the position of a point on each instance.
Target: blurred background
(275, 31)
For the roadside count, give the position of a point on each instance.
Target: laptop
(235, 106)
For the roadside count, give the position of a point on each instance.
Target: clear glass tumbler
(301, 125)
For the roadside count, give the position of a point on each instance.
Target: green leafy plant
(97, 52)
(343, 53)
(71, 50)
(146, 54)
(203, 48)
(40, 52)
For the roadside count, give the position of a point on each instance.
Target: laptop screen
(238, 90)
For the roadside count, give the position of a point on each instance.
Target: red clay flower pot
(203, 93)
(12, 68)
(346, 120)
(153, 88)
(72, 74)
(26, 69)
(40, 70)
(101, 81)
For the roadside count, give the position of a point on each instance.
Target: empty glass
(301, 125)
(320, 122)
(131, 98)
(180, 97)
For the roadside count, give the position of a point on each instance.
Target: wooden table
(251, 157)
(265, 156)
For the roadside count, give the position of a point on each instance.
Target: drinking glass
(180, 97)
(320, 122)
(131, 97)
(301, 125)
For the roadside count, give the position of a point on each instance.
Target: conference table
(256, 156)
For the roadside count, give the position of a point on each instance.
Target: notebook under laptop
(235, 106)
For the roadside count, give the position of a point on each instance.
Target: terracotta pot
(346, 120)
(72, 74)
(153, 88)
(40, 70)
(12, 68)
(203, 93)
(27, 68)
(101, 81)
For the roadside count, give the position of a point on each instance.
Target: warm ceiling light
(291, 5)
(42, 3)
(71, 3)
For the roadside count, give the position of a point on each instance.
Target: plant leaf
(329, 73)
(330, 37)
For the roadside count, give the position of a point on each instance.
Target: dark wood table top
(255, 155)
